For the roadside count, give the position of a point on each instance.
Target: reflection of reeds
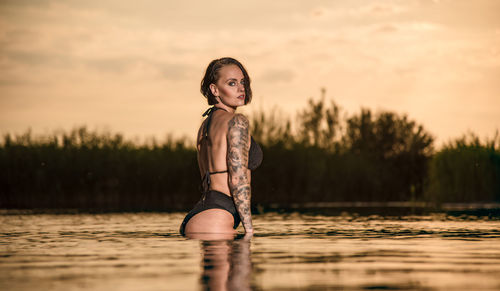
(321, 158)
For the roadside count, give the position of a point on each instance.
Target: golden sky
(135, 66)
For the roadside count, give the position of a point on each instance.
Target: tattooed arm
(238, 145)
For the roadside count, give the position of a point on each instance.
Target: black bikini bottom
(210, 200)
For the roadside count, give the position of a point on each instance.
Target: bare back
(212, 152)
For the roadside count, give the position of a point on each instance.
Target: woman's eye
(232, 83)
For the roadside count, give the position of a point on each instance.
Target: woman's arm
(238, 145)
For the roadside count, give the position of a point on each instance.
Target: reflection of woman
(226, 264)
(226, 153)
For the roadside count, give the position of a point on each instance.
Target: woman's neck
(226, 108)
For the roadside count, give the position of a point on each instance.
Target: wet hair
(212, 76)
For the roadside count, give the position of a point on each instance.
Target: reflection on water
(288, 252)
(226, 263)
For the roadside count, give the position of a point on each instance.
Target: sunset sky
(135, 66)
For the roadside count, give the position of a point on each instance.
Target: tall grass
(322, 155)
(466, 170)
(91, 170)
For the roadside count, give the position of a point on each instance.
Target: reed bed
(319, 156)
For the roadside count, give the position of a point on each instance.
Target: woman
(226, 153)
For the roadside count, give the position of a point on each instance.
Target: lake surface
(143, 251)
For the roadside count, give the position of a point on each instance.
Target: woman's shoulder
(238, 120)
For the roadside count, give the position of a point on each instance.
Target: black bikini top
(255, 154)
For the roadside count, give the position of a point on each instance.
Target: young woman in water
(226, 153)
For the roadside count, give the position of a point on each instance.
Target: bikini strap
(205, 181)
(209, 113)
(217, 172)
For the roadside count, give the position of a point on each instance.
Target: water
(143, 251)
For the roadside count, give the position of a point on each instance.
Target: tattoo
(238, 145)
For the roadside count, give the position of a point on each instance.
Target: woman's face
(230, 87)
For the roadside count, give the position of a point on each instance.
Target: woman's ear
(215, 90)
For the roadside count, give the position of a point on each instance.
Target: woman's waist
(220, 186)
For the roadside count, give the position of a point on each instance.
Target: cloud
(276, 75)
(175, 71)
(406, 28)
(6, 81)
(111, 65)
(381, 9)
(431, 2)
(33, 58)
(23, 3)
(386, 28)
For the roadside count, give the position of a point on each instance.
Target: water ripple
(290, 251)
